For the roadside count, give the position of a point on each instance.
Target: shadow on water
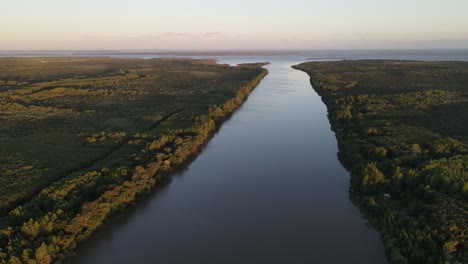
(353, 198)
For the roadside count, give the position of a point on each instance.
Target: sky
(235, 24)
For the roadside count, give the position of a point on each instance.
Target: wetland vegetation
(402, 130)
(82, 138)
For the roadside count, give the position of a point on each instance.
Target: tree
(416, 149)
(372, 177)
(379, 153)
(42, 256)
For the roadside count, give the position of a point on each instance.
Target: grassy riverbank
(402, 130)
(85, 137)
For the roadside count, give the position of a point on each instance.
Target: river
(268, 188)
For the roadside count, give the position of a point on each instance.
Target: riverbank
(50, 226)
(401, 130)
(268, 188)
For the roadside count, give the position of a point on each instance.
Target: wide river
(268, 188)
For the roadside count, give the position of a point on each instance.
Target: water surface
(268, 188)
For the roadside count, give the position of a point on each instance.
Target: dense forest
(402, 130)
(82, 138)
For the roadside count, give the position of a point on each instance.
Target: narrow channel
(268, 188)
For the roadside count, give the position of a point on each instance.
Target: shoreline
(391, 196)
(145, 178)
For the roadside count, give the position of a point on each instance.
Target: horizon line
(224, 49)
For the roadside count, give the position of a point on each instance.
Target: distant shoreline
(233, 52)
(143, 52)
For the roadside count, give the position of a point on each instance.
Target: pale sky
(234, 24)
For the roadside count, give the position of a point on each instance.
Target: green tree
(372, 177)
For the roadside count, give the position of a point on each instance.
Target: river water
(268, 188)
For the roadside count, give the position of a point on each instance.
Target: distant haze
(240, 24)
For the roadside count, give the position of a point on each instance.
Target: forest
(83, 137)
(402, 131)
